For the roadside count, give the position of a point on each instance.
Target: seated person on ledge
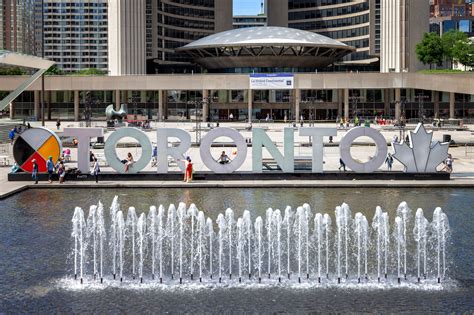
(224, 158)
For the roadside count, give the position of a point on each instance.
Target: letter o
(380, 153)
(208, 159)
(111, 153)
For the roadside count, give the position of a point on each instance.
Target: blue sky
(246, 7)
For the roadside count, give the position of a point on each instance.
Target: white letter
(318, 147)
(210, 161)
(111, 153)
(83, 136)
(162, 135)
(260, 138)
(380, 153)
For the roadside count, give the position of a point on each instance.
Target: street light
(421, 110)
(200, 104)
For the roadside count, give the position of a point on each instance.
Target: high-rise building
(243, 21)
(127, 37)
(449, 15)
(17, 26)
(74, 33)
(174, 23)
(346, 21)
(449, 8)
(403, 24)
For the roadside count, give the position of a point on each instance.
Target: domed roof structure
(266, 47)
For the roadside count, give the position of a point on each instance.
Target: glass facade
(344, 20)
(178, 22)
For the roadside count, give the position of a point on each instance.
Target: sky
(246, 7)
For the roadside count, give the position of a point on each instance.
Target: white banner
(274, 81)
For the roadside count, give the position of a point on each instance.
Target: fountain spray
(131, 230)
(210, 230)
(277, 221)
(269, 218)
(221, 223)
(258, 232)
(229, 216)
(181, 220)
(192, 213)
(152, 226)
(287, 222)
(248, 224)
(78, 225)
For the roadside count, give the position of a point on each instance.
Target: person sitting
(129, 161)
(224, 158)
(154, 156)
(67, 155)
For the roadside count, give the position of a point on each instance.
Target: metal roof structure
(266, 47)
(21, 60)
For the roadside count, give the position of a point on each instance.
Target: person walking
(96, 170)
(58, 124)
(389, 161)
(11, 135)
(50, 167)
(34, 174)
(448, 164)
(342, 165)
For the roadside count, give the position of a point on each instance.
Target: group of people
(52, 168)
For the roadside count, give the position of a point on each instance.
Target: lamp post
(421, 110)
(354, 101)
(198, 108)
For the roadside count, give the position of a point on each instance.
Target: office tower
(174, 23)
(127, 37)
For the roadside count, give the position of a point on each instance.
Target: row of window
(317, 25)
(196, 3)
(188, 23)
(321, 13)
(301, 4)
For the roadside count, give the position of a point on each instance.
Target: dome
(266, 47)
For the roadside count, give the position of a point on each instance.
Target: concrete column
(76, 105)
(386, 102)
(10, 107)
(451, 105)
(297, 97)
(436, 103)
(398, 106)
(340, 96)
(205, 105)
(160, 105)
(117, 99)
(346, 103)
(37, 106)
(48, 104)
(250, 105)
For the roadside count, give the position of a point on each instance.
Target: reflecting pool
(37, 255)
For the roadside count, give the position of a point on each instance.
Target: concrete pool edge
(453, 183)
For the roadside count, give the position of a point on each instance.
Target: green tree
(430, 49)
(449, 39)
(91, 71)
(12, 71)
(54, 70)
(463, 52)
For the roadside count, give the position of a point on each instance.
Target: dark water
(35, 242)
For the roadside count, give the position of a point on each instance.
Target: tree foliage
(463, 52)
(91, 71)
(12, 71)
(430, 49)
(54, 70)
(449, 39)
